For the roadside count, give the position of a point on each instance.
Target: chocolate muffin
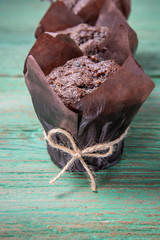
(91, 40)
(79, 77)
(85, 80)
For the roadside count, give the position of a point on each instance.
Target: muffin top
(91, 40)
(79, 77)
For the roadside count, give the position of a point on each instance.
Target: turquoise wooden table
(127, 204)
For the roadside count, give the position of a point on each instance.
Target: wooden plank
(127, 203)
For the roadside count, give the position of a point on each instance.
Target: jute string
(77, 153)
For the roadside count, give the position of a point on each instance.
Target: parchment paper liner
(124, 6)
(110, 14)
(100, 116)
(57, 17)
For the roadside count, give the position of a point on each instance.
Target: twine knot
(77, 153)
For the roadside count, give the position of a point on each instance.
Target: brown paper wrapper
(124, 6)
(100, 116)
(110, 14)
(51, 52)
(58, 17)
(117, 44)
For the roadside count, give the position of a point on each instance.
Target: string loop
(77, 153)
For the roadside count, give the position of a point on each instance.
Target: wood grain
(127, 204)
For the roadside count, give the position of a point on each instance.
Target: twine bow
(77, 153)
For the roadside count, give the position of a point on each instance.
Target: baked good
(79, 77)
(100, 116)
(90, 39)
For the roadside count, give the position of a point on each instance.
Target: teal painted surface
(127, 205)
